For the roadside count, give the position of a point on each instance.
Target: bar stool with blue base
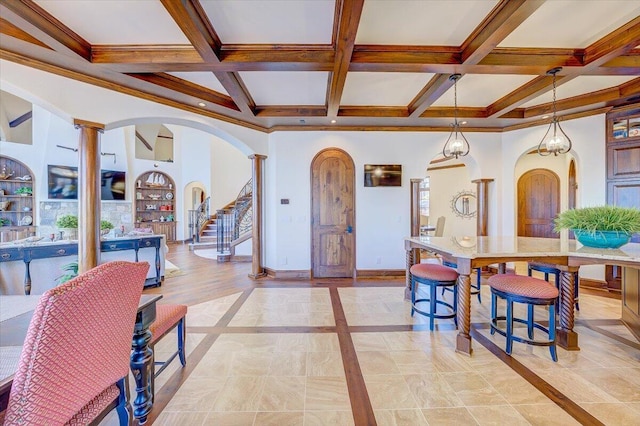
(532, 292)
(547, 269)
(435, 276)
(475, 288)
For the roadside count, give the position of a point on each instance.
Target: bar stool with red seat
(532, 292)
(168, 317)
(547, 269)
(435, 276)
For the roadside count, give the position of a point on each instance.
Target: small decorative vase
(602, 239)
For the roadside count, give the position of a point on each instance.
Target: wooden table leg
(463, 340)
(410, 261)
(567, 338)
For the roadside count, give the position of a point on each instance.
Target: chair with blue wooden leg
(548, 269)
(532, 292)
(435, 276)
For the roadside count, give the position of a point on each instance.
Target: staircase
(226, 228)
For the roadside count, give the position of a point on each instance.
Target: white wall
(444, 185)
(382, 213)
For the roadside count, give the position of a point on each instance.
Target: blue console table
(27, 253)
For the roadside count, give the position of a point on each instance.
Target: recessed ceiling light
(545, 117)
(333, 121)
(463, 122)
(202, 104)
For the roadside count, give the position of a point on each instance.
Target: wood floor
(393, 369)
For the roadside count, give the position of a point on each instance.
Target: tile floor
(279, 361)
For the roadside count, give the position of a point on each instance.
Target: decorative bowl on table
(602, 239)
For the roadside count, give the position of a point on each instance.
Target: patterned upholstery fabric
(523, 286)
(167, 316)
(95, 407)
(434, 272)
(78, 344)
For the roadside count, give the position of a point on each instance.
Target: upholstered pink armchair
(74, 363)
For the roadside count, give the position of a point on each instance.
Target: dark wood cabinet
(155, 203)
(623, 189)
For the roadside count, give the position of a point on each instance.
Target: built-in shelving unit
(17, 191)
(155, 203)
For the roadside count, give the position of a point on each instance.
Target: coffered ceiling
(341, 64)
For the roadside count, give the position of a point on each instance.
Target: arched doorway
(538, 203)
(332, 214)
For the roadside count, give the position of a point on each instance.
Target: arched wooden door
(538, 203)
(332, 214)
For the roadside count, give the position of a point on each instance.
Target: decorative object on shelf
(105, 227)
(4, 206)
(26, 220)
(26, 209)
(24, 191)
(602, 226)
(5, 174)
(557, 142)
(68, 225)
(139, 183)
(155, 197)
(139, 195)
(169, 195)
(464, 204)
(4, 221)
(1, 192)
(169, 218)
(456, 146)
(24, 178)
(155, 179)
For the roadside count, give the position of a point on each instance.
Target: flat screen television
(63, 183)
(383, 175)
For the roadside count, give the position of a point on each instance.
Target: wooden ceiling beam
(463, 112)
(195, 26)
(34, 20)
(348, 14)
(502, 20)
(193, 22)
(146, 54)
(524, 93)
(372, 111)
(435, 88)
(597, 97)
(188, 88)
(616, 43)
(291, 111)
(7, 28)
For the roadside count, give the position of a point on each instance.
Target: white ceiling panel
(204, 79)
(271, 21)
(572, 23)
(382, 88)
(286, 87)
(579, 86)
(481, 90)
(117, 22)
(411, 22)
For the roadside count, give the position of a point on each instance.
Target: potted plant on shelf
(105, 227)
(4, 221)
(24, 191)
(69, 224)
(601, 226)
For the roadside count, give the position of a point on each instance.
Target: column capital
(482, 180)
(257, 156)
(416, 180)
(77, 123)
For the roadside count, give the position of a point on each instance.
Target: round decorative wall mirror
(464, 204)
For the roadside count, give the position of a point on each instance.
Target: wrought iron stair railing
(234, 222)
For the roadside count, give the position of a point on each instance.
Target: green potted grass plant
(68, 223)
(105, 227)
(24, 191)
(601, 226)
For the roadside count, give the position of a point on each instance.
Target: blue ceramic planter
(602, 239)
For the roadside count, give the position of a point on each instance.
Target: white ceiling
(383, 88)
(286, 87)
(482, 89)
(202, 78)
